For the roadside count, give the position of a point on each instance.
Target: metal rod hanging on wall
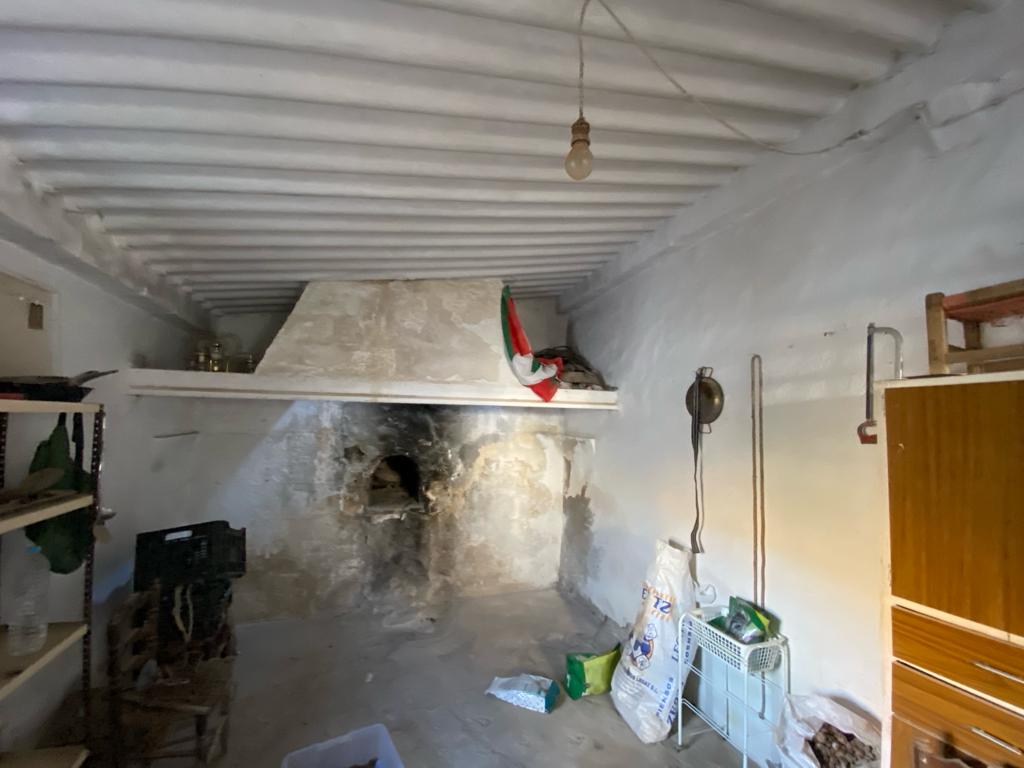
(866, 437)
(757, 475)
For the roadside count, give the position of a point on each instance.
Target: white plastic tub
(355, 748)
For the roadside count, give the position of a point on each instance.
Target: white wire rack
(753, 660)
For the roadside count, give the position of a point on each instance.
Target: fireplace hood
(399, 341)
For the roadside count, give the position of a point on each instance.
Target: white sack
(645, 684)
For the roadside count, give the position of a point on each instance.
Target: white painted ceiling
(243, 147)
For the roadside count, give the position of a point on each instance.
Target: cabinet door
(956, 499)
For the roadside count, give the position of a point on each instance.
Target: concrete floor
(423, 675)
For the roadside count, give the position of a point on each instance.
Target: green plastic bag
(65, 539)
(588, 674)
(744, 622)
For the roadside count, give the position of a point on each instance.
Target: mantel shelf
(54, 757)
(254, 386)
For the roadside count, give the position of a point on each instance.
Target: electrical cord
(686, 94)
(579, 39)
(697, 443)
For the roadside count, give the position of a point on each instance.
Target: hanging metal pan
(712, 397)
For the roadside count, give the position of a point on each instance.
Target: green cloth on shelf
(64, 539)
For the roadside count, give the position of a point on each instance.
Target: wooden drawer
(914, 748)
(988, 665)
(965, 722)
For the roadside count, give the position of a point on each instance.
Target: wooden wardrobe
(955, 457)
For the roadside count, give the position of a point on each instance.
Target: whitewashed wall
(22, 348)
(89, 329)
(544, 325)
(793, 267)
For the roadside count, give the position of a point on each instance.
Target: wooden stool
(972, 308)
(154, 717)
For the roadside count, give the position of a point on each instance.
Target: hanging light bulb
(580, 160)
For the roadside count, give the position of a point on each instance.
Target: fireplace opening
(397, 516)
(396, 478)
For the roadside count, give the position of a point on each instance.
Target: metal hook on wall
(869, 423)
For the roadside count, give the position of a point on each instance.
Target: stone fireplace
(353, 504)
(391, 505)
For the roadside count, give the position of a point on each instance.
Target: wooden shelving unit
(18, 671)
(42, 509)
(57, 757)
(46, 406)
(15, 671)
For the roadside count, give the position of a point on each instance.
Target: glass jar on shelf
(199, 361)
(216, 362)
(243, 363)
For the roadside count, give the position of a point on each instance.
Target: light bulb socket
(580, 131)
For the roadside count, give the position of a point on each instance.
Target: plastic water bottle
(26, 629)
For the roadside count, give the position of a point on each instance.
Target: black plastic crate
(189, 553)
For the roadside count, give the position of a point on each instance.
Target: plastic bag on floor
(645, 684)
(527, 691)
(803, 716)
